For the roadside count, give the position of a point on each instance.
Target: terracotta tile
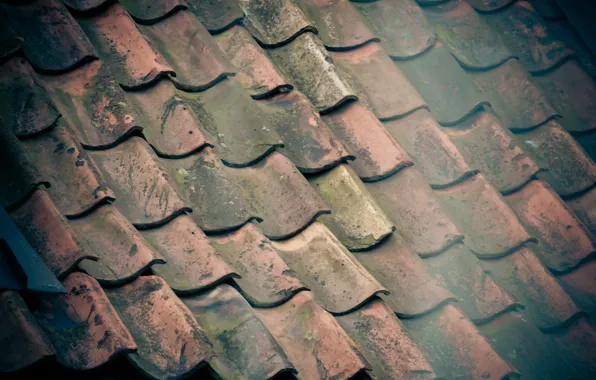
(150, 12)
(328, 269)
(356, 218)
(245, 348)
(84, 5)
(562, 30)
(377, 154)
(309, 143)
(409, 202)
(573, 94)
(82, 325)
(171, 342)
(23, 340)
(490, 227)
(512, 95)
(122, 251)
(487, 5)
(522, 275)
(378, 82)
(266, 279)
(401, 26)
(445, 86)
(222, 110)
(11, 41)
(49, 234)
(563, 240)
(473, 43)
(313, 340)
(308, 65)
(191, 262)
(216, 15)
(123, 48)
(339, 24)
(579, 341)
(257, 74)
(145, 197)
(77, 184)
(435, 155)
(415, 289)
(480, 298)
(584, 207)
(26, 106)
(570, 170)
(52, 39)
(275, 22)
(19, 175)
(385, 343)
(526, 35)
(488, 147)
(189, 49)
(455, 348)
(581, 285)
(170, 125)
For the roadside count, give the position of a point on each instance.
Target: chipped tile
(150, 12)
(217, 15)
(581, 285)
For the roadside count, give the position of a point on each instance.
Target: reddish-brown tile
(385, 343)
(191, 262)
(145, 197)
(579, 340)
(245, 348)
(26, 107)
(435, 155)
(123, 48)
(562, 30)
(77, 185)
(581, 285)
(377, 154)
(171, 344)
(378, 81)
(584, 206)
(485, 5)
(415, 289)
(490, 227)
(216, 15)
(82, 325)
(401, 26)
(356, 219)
(84, 5)
(409, 202)
(266, 279)
(150, 12)
(23, 340)
(313, 340)
(49, 234)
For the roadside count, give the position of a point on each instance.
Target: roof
(318, 188)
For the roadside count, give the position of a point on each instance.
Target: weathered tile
(275, 22)
(385, 343)
(49, 234)
(584, 207)
(84, 5)
(356, 219)
(82, 325)
(123, 48)
(26, 107)
(245, 348)
(512, 95)
(378, 81)
(409, 202)
(313, 340)
(377, 154)
(145, 197)
(266, 279)
(435, 155)
(337, 280)
(581, 285)
(52, 39)
(308, 65)
(471, 40)
(562, 30)
(414, 288)
(487, 5)
(401, 26)
(491, 228)
(191, 262)
(10, 41)
(190, 50)
(171, 344)
(445, 86)
(578, 341)
(563, 240)
(216, 15)
(23, 340)
(570, 170)
(308, 141)
(150, 12)
(488, 147)
(77, 185)
(548, 9)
